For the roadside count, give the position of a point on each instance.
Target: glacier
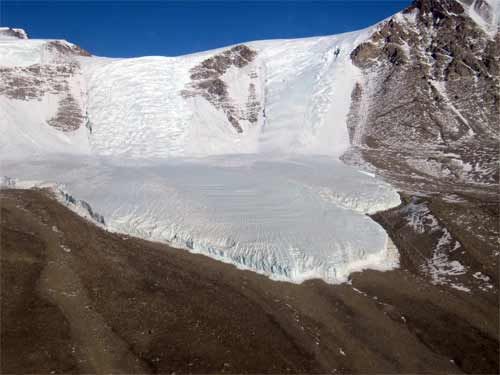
(291, 219)
(273, 198)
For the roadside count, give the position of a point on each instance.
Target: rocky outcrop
(63, 49)
(56, 75)
(253, 105)
(207, 81)
(69, 115)
(34, 81)
(8, 32)
(425, 116)
(430, 93)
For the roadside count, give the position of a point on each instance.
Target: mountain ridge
(233, 105)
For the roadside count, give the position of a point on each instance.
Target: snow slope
(31, 135)
(303, 88)
(308, 94)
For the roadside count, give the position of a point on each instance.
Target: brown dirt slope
(76, 298)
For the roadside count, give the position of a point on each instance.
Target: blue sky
(170, 28)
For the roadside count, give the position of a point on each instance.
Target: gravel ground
(78, 299)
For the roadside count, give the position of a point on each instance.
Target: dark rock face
(253, 105)
(32, 82)
(35, 81)
(430, 93)
(69, 116)
(437, 8)
(206, 82)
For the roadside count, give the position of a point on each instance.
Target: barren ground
(76, 298)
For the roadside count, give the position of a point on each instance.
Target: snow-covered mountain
(283, 96)
(234, 152)
(279, 96)
(271, 96)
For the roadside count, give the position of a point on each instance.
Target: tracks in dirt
(96, 347)
(102, 302)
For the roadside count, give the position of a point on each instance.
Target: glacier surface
(291, 219)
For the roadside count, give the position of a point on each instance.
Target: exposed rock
(13, 33)
(365, 54)
(66, 49)
(69, 115)
(430, 93)
(207, 82)
(253, 105)
(34, 81)
(438, 9)
(56, 75)
(429, 123)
